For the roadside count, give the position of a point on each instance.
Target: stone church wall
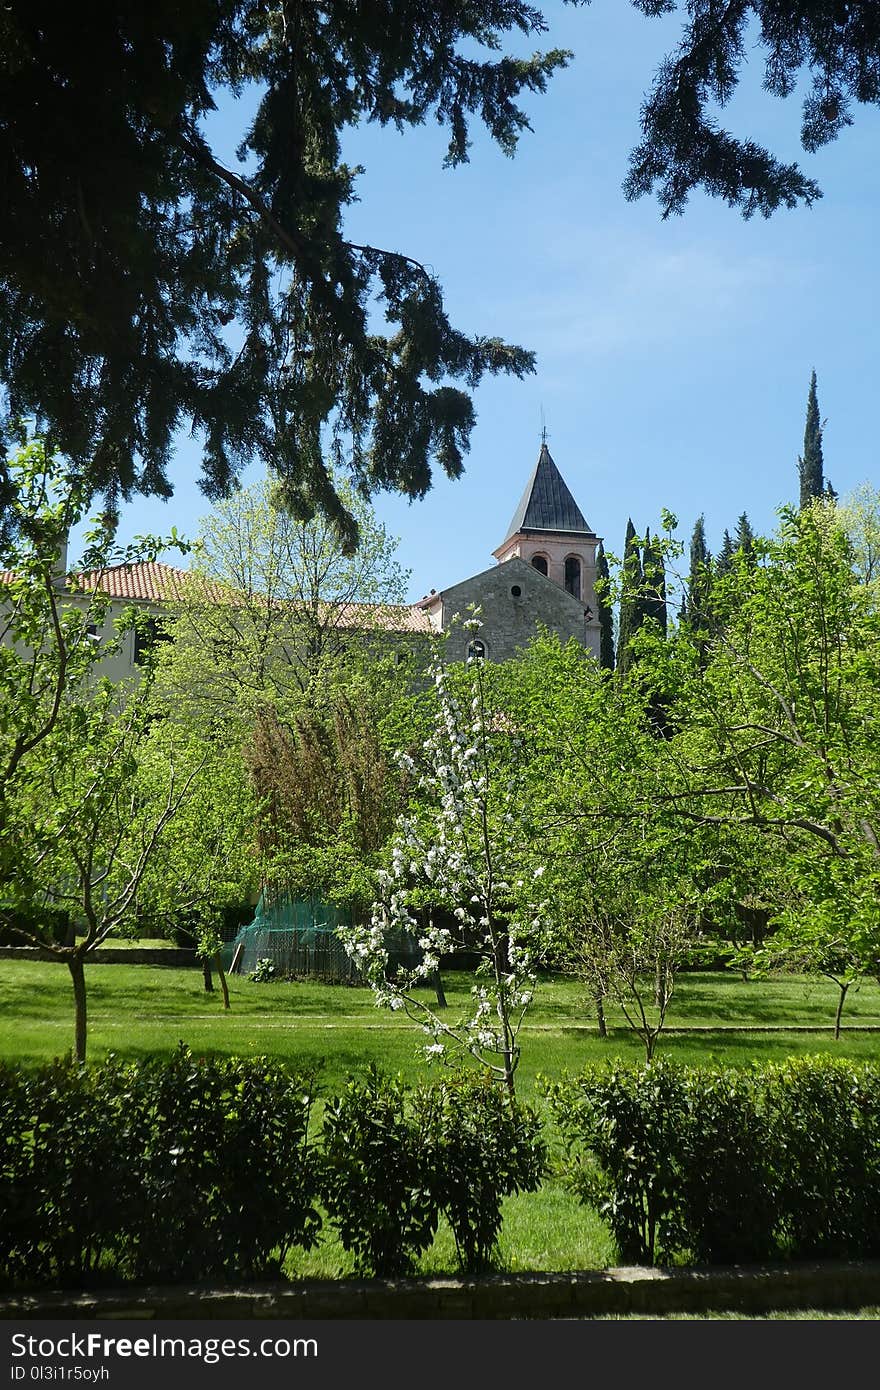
(510, 618)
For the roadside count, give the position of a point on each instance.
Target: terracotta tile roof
(391, 617)
(149, 580)
(153, 582)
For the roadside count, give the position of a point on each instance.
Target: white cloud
(621, 297)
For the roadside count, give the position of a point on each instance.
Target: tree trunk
(76, 966)
(509, 1069)
(661, 982)
(218, 963)
(207, 977)
(600, 1014)
(439, 990)
(844, 989)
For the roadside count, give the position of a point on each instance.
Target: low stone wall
(110, 955)
(825, 1285)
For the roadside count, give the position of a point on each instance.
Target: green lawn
(140, 1010)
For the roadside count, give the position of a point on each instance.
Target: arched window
(476, 650)
(573, 576)
(539, 563)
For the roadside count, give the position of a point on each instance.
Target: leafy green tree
(281, 648)
(629, 951)
(146, 283)
(606, 612)
(811, 464)
(620, 882)
(777, 716)
(274, 613)
(76, 836)
(816, 937)
(330, 788)
(211, 865)
(859, 515)
(274, 610)
(834, 47)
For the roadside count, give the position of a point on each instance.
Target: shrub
(48, 923)
(68, 1184)
(621, 1129)
(230, 1178)
(825, 1116)
(263, 971)
(481, 1148)
(375, 1182)
(726, 1165)
(395, 1157)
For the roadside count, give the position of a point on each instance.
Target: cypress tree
(745, 539)
(606, 617)
(699, 577)
(811, 463)
(725, 555)
(654, 571)
(630, 599)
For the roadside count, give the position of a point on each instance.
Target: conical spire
(547, 504)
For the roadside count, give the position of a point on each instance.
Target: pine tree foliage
(149, 284)
(828, 49)
(606, 616)
(631, 598)
(811, 463)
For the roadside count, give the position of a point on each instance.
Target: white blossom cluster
(466, 849)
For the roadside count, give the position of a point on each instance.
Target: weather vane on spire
(543, 428)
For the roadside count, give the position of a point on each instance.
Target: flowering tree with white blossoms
(464, 850)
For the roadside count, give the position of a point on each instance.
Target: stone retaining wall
(825, 1285)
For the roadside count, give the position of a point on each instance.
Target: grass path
(139, 1010)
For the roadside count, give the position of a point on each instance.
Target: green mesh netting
(299, 937)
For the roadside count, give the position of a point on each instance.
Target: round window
(516, 591)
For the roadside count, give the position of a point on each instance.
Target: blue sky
(673, 358)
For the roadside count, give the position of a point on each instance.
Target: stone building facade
(544, 577)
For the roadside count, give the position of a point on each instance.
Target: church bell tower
(550, 533)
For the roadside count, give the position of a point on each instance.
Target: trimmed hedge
(719, 1166)
(180, 1168)
(211, 1168)
(204, 1168)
